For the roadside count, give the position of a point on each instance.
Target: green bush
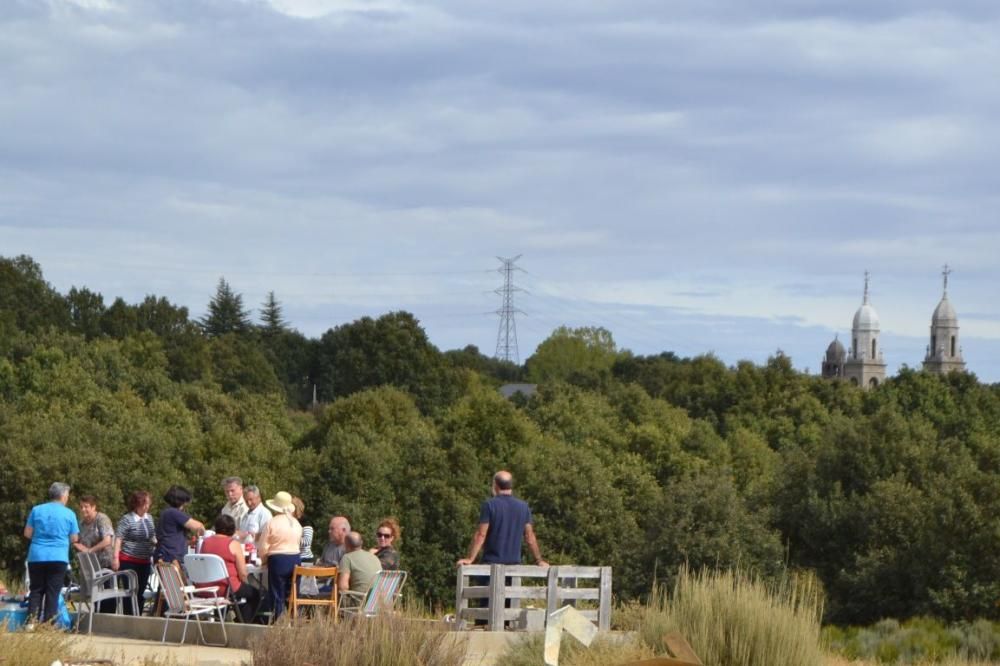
(919, 640)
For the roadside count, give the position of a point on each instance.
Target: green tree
(27, 301)
(271, 317)
(86, 310)
(579, 355)
(226, 313)
(391, 350)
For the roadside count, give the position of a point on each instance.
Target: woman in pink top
(279, 549)
(223, 544)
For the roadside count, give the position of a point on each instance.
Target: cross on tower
(946, 272)
(867, 276)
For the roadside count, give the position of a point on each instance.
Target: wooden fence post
(604, 610)
(552, 593)
(497, 597)
(460, 603)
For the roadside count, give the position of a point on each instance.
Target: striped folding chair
(182, 601)
(385, 589)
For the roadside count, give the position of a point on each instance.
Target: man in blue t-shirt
(503, 521)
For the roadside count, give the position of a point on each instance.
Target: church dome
(866, 319)
(944, 313)
(836, 353)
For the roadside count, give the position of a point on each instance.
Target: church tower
(944, 354)
(833, 362)
(864, 365)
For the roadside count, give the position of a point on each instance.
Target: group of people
(270, 530)
(247, 528)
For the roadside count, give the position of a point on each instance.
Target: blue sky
(694, 176)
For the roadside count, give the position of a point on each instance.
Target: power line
(507, 330)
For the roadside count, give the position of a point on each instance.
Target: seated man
(357, 570)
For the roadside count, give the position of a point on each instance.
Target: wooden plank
(514, 593)
(515, 600)
(552, 594)
(509, 614)
(604, 617)
(497, 577)
(475, 592)
(474, 570)
(581, 593)
(526, 571)
(681, 649)
(571, 571)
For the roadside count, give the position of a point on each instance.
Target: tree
(271, 319)
(27, 301)
(579, 355)
(86, 311)
(393, 350)
(226, 313)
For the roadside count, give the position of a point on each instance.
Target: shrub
(917, 641)
(529, 652)
(387, 640)
(38, 648)
(733, 618)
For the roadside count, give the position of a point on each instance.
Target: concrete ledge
(151, 629)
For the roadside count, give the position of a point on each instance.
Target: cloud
(743, 161)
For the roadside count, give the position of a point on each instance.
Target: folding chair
(97, 584)
(380, 597)
(205, 569)
(183, 601)
(297, 599)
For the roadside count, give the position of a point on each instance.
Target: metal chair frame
(381, 596)
(182, 600)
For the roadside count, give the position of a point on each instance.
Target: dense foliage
(644, 463)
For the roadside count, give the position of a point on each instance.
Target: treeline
(642, 463)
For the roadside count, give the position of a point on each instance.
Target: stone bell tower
(944, 354)
(864, 366)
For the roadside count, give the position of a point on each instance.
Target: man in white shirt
(257, 515)
(235, 506)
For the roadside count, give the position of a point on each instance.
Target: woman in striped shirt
(134, 544)
(307, 531)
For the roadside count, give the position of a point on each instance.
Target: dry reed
(733, 618)
(386, 640)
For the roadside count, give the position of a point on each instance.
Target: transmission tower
(507, 332)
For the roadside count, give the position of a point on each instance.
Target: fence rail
(506, 589)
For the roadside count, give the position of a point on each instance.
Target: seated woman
(387, 533)
(307, 531)
(222, 543)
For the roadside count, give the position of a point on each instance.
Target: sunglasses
(383, 535)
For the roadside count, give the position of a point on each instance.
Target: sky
(695, 176)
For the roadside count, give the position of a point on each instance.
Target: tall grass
(386, 640)
(602, 652)
(37, 648)
(733, 618)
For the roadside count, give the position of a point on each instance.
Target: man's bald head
(353, 541)
(339, 527)
(503, 481)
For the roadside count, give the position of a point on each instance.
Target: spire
(945, 273)
(868, 276)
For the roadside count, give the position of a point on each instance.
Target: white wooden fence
(550, 587)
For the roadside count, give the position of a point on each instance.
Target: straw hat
(281, 503)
